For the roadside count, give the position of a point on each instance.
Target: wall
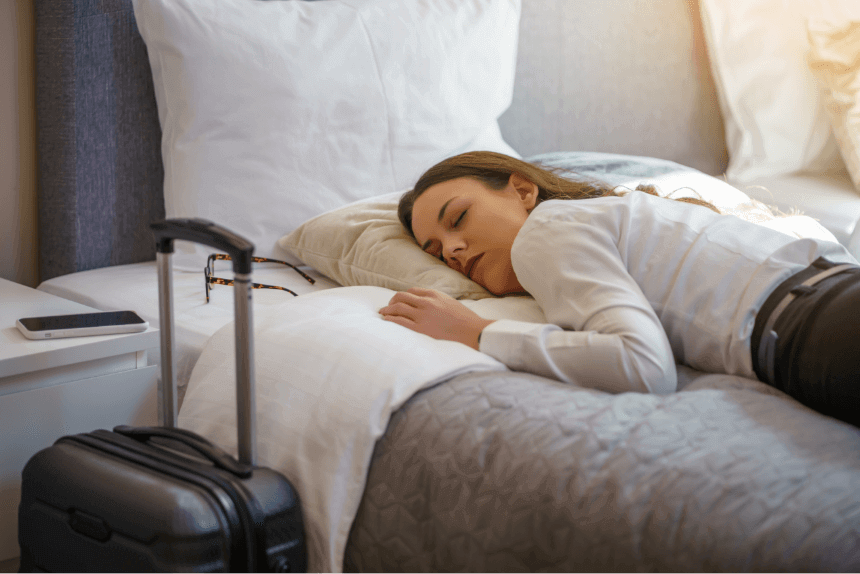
(18, 240)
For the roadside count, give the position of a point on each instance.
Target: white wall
(18, 241)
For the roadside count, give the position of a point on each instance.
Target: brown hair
(495, 169)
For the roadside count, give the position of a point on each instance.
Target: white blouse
(631, 285)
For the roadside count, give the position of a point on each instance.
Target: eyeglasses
(212, 280)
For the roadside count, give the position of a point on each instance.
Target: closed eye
(454, 225)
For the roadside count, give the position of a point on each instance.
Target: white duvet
(329, 374)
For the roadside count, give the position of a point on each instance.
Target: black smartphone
(81, 325)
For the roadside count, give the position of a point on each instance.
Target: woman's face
(472, 228)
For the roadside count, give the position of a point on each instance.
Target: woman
(632, 284)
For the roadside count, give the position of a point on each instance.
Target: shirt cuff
(509, 341)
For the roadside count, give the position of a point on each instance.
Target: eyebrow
(438, 219)
(444, 207)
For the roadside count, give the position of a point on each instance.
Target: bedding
(490, 470)
(273, 112)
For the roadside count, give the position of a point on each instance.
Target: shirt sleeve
(602, 331)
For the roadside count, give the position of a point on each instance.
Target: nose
(454, 251)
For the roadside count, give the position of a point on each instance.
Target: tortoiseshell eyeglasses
(212, 280)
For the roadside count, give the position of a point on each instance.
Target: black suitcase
(162, 498)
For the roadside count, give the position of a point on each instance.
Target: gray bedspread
(513, 472)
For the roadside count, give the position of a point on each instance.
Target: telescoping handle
(241, 252)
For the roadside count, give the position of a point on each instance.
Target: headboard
(99, 140)
(633, 79)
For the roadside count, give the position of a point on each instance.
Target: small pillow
(365, 244)
(835, 60)
(274, 112)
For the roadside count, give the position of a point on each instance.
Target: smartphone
(81, 325)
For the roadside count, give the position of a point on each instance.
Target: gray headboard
(626, 76)
(99, 141)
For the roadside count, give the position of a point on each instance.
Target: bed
(411, 454)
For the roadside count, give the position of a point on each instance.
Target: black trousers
(816, 355)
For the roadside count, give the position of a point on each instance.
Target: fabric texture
(835, 60)
(365, 244)
(495, 472)
(99, 161)
(274, 112)
(772, 107)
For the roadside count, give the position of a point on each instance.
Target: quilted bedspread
(513, 472)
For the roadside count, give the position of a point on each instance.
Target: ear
(526, 190)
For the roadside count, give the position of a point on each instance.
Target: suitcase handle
(206, 232)
(240, 250)
(192, 440)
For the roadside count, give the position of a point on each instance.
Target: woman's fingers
(399, 308)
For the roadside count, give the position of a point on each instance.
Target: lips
(470, 265)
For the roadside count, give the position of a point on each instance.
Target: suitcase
(148, 499)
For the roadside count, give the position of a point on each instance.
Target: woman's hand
(436, 314)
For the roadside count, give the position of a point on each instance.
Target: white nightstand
(51, 388)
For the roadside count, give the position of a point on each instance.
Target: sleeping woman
(632, 284)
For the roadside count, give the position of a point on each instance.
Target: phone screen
(81, 321)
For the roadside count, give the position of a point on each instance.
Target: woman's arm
(612, 362)
(619, 359)
(603, 332)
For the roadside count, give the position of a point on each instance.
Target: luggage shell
(150, 499)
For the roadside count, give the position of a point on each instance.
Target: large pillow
(772, 107)
(835, 60)
(274, 112)
(365, 244)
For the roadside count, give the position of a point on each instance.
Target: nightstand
(51, 388)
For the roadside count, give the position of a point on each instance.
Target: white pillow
(835, 60)
(318, 426)
(772, 106)
(274, 112)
